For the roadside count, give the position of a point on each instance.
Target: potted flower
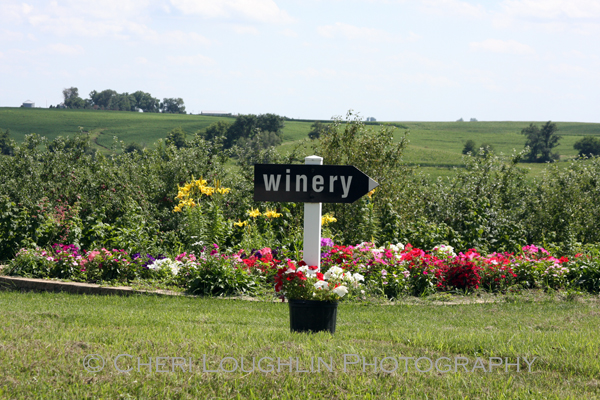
(312, 295)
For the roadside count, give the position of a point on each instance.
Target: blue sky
(401, 60)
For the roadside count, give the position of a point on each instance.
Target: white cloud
(454, 7)
(553, 9)
(180, 37)
(64, 49)
(255, 10)
(502, 46)
(312, 73)
(105, 9)
(245, 30)
(289, 33)
(352, 32)
(569, 70)
(9, 36)
(26, 8)
(121, 19)
(579, 16)
(11, 12)
(433, 80)
(196, 60)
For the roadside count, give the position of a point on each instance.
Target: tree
(541, 142)
(216, 130)
(145, 102)
(103, 99)
(469, 147)
(316, 129)
(588, 146)
(270, 123)
(7, 145)
(244, 126)
(172, 105)
(72, 99)
(133, 147)
(177, 137)
(487, 148)
(123, 102)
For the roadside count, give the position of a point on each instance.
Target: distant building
(217, 114)
(371, 119)
(28, 104)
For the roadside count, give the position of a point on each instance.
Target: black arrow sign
(298, 183)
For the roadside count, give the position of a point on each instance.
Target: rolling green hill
(436, 146)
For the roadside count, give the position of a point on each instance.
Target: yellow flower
(272, 214)
(370, 194)
(327, 219)
(177, 209)
(253, 213)
(240, 223)
(222, 190)
(200, 182)
(207, 190)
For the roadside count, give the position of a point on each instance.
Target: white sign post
(312, 224)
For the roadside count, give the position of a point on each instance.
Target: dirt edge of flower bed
(48, 285)
(13, 283)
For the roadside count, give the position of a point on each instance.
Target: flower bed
(391, 271)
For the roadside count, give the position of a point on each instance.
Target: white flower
(334, 272)
(446, 250)
(290, 271)
(302, 269)
(340, 291)
(397, 247)
(312, 273)
(321, 285)
(174, 266)
(358, 277)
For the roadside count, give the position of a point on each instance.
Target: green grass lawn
(144, 128)
(436, 146)
(45, 338)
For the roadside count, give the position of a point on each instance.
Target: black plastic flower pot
(312, 316)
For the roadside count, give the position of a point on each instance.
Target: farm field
(45, 338)
(435, 146)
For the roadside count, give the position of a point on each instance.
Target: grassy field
(45, 339)
(436, 146)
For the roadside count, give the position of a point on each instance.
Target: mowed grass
(440, 144)
(45, 338)
(435, 146)
(105, 125)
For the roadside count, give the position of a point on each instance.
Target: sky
(394, 60)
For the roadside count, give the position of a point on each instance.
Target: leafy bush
(217, 276)
(31, 263)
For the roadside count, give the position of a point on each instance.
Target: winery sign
(312, 184)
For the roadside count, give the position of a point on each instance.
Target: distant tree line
(250, 132)
(111, 100)
(540, 142)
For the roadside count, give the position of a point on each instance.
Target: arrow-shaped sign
(296, 183)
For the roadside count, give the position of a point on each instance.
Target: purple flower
(326, 242)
